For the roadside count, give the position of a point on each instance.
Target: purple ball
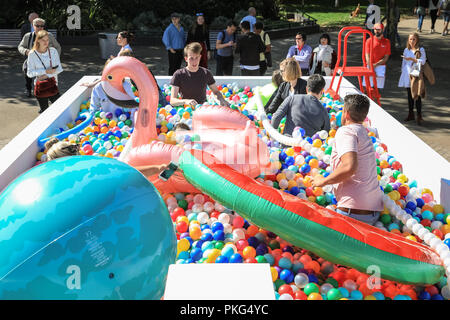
(252, 241)
(261, 249)
(278, 269)
(322, 165)
(271, 234)
(109, 115)
(315, 136)
(288, 249)
(305, 154)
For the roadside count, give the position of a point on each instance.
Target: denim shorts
(446, 15)
(366, 218)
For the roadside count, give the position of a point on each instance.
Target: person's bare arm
(219, 95)
(152, 169)
(347, 167)
(175, 101)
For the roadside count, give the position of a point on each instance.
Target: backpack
(446, 5)
(223, 38)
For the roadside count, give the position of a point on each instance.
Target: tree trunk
(336, 3)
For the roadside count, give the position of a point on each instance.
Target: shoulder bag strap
(40, 59)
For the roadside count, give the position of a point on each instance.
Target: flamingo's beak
(118, 97)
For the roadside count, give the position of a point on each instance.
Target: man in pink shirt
(354, 175)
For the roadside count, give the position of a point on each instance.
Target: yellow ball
(183, 245)
(39, 156)
(70, 125)
(274, 273)
(289, 152)
(291, 184)
(437, 208)
(394, 195)
(182, 218)
(370, 297)
(212, 256)
(426, 190)
(312, 199)
(317, 143)
(195, 233)
(402, 178)
(281, 176)
(412, 238)
(119, 148)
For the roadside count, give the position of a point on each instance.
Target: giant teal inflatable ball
(84, 227)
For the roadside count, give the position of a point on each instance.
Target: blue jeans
(366, 218)
(419, 26)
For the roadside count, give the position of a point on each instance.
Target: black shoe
(40, 111)
(28, 93)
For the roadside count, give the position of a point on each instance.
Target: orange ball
(249, 252)
(195, 233)
(305, 259)
(315, 296)
(313, 265)
(384, 164)
(332, 133)
(318, 191)
(252, 230)
(314, 163)
(445, 228)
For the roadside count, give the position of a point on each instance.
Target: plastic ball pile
(105, 137)
(208, 232)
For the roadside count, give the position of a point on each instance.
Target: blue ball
(253, 241)
(236, 258)
(437, 297)
(207, 237)
(305, 168)
(269, 258)
(284, 263)
(289, 161)
(427, 215)
(297, 266)
(261, 249)
(216, 226)
(447, 242)
(420, 203)
(205, 226)
(344, 292)
(313, 278)
(282, 156)
(219, 235)
(411, 205)
(294, 191)
(107, 219)
(309, 140)
(184, 255)
(424, 295)
(378, 295)
(222, 259)
(356, 295)
(287, 276)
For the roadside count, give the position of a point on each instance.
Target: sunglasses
(199, 14)
(377, 29)
(40, 26)
(298, 38)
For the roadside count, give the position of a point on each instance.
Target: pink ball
(241, 244)
(238, 222)
(427, 197)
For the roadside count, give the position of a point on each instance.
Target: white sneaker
(431, 31)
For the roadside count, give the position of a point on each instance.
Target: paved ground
(17, 111)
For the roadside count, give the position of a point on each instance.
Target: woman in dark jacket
(293, 84)
(200, 33)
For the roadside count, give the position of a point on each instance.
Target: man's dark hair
(259, 25)
(245, 25)
(357, 106)
(315, 83)
(232, 23)
(303, 35)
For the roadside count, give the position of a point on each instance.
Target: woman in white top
(43, 62)
(408, 64)
(124, 38)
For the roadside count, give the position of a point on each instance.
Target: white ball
(238, 234)
(422, 232)
(208, 207)
(224, 218)
(411, 223)
(435, 242)
(202, 217)
(436, 225)
(227, 228)
(219, 207)
(428, 237)
(285, 296)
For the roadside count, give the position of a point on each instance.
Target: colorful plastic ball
(285, 263)
(301, 280)
(236, 258)
(311, 288)
(315, 296)
(287, 276)
(334, 294)
(356, 295)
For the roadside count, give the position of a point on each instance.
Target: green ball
(278, 283)
(320, 200)
(378, 161)
(328, 150)
(275, 185)
(219, 245)
(378, 170)
(260, 259)
(386, 219)
(202, 260)
(274, 244)
(128, 122)
(334, 294)
(333, 282)
(388, 188)
(429, 229)
(183, 204)
(195, 137)
(395, 174)
(311, 288)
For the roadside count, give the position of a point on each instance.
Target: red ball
(168, 98)
(432, 290)
(396, 165)
(250, 260)
(182, 227)
(309, 192)
(214, 214)
(300, 295)
(178, 212)
(403, 190)
(285, 288)
(426, 222)
(241, 244)
(438, 233)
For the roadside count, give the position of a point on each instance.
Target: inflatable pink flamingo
(227, 134)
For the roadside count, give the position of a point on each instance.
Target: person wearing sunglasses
(200, 33)
(26, 45)
(174, 41)
(380, 54)
(301, 52)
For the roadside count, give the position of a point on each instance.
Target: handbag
(47, 87)
(268, 55)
